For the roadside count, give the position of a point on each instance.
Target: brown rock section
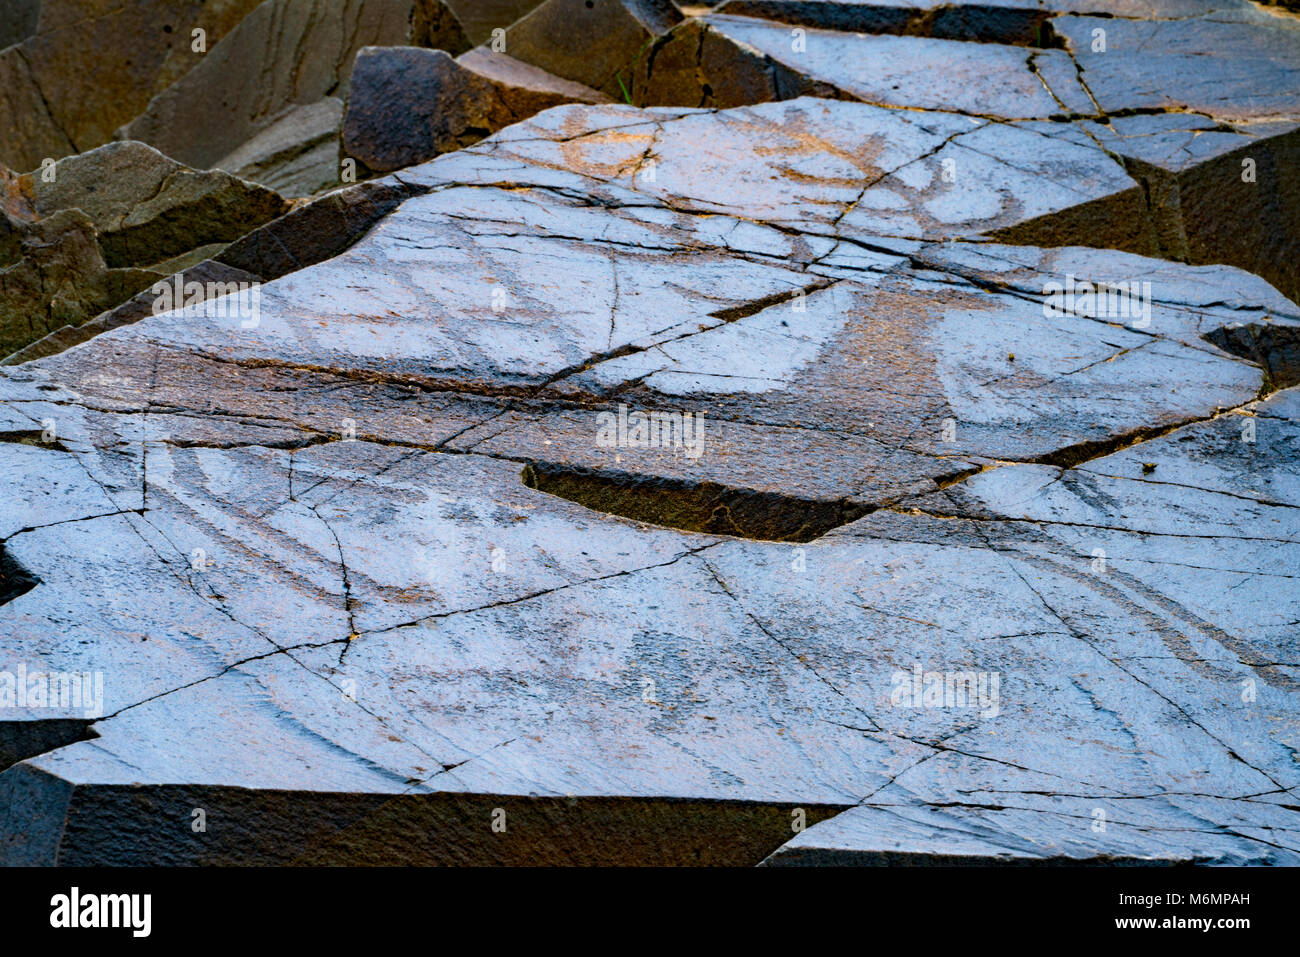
(138, 307)
(409, 105)
(297, 155)
(595, 44)
(147, 208)
(285, 54)
(696, 65)
(316, 231)
(481, 17)
(59, 278)
(78, 69)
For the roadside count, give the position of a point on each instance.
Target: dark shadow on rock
(705, 507)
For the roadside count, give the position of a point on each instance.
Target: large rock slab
(402, 674)
(458, 273)
(1176, 530)
(727, 61)
(987, 21)
(146, 207)
(383, 579)
(633, 479)
(1189, 64)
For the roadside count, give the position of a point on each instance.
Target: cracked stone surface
(936, 566)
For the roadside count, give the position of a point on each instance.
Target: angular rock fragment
(59, 277)
(1216, 193)
(147, 208)
(315, 231)
(138, 307)
(408, 105)
(284, 55)
(598, 45)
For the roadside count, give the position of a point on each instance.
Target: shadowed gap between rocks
(705, 507)
(1275, 349)
(20, 740)
(15, 580)
(33, 437)
(247, 827)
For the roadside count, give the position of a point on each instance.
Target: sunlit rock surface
(879, 470)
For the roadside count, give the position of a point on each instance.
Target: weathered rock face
(907, 450)
(81, 68)
(285, 55)
(369, 597)
(1189, 65)
(93, 230)
(297, 155)
(480, 17)
(408, 104)
(1216, 193)
(596, 44)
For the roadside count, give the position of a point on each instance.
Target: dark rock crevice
(705, 507)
